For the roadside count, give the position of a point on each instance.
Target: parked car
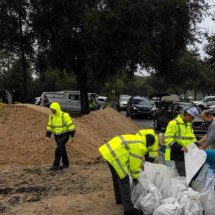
(205, 102)
(168, 110)
(139, 106)
(101, 100)
(123, 101)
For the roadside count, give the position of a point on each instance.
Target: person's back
(124, 155)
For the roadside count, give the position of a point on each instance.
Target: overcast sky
(207, 25)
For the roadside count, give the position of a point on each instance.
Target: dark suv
(139, 106)
(168, 110)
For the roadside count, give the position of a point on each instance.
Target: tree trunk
(83, 85)
(23, 60)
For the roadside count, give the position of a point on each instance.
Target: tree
(95, 39)
(16, 36)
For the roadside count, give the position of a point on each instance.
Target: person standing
(63, 128)
(124, 155)
(46, 101)
(179, 134)
(92, 102)
(208, 141)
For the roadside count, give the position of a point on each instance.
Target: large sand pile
(22, 131)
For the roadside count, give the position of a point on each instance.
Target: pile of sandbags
(162, 191)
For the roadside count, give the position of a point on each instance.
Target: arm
(49, 128)
(203, 140)
(210, 137)
(169, 136)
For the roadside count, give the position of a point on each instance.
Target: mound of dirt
(22, 131)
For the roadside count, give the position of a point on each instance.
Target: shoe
(63, 166)
(133, 211)
(54, 168)
(118, 202)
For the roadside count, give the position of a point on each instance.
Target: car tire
(156, 124)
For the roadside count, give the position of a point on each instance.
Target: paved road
(143, 122)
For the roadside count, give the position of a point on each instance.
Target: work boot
(63, 166)
(133, 211)
(54, 168)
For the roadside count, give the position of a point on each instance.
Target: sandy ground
(26, 184)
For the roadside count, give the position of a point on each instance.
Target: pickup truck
(69, 100)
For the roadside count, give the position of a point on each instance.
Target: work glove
(135, 181)
(48, 139)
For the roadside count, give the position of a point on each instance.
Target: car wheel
(156, 124)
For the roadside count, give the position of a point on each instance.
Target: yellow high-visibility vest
(180, 132)
(59, 122)
(125, 154)
(154, 149)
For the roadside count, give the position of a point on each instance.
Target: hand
(200, 147)
(48, 139)
(135, 181)
(184, 149)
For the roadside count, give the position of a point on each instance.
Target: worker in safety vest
(92, 102)
(179, 134)
(63, 128)
(153, 150)
(124, 155)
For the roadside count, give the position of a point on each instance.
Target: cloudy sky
(207, 25)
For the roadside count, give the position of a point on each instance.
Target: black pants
(180, 166)
(60, 151)
(121, 189)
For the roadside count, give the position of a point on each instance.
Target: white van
(68, 100)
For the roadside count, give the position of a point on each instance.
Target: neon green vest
(180, 132)
(125, 154)
(154, 149)
(60, 123)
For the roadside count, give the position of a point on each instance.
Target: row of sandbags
(161, 191)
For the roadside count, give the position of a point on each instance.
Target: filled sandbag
(199, 183)
(169, 206)
(190, 201)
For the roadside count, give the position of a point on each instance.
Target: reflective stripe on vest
(60, 126)
(126, 146)
(116, 159)
(179, 137)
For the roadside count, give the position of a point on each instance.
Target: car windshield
(125, 99)
(141, 102)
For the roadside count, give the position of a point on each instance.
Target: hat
(150, 139)
(193, 111)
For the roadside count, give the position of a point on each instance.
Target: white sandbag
(147, 188)
(169, 206)
(151, 201)
(193, 156)
(136, 192)
(199, 183)
(177, 185)
(155, 173)
(209, 186)
(165, 187)
(190, 201)
(210, 204)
